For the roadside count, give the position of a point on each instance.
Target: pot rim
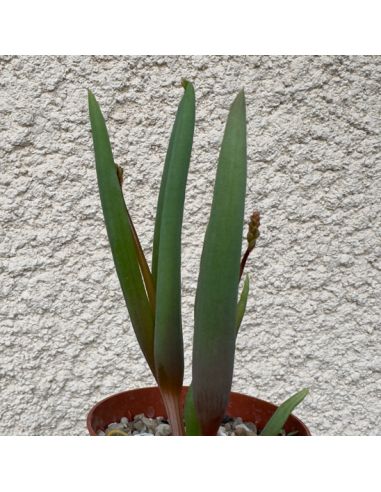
(235, 394)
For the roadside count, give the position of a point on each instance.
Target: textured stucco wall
(314, 173)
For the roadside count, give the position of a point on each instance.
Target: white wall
(314, 173)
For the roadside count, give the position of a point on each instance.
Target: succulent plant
(153, 295)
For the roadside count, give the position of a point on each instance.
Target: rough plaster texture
(314, 173)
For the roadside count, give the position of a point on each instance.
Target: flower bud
(253, 233)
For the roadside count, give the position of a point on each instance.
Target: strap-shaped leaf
(217, 289)
(168, 345)
(192, 424)
(173, 152)
(281, 414)
(121, 235)
(241, 307)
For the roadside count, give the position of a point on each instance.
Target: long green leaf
(217, 289)
(192, 424)
(168, 345)
(281, 414)
(172, 154)
(241, 307)
(121, 235)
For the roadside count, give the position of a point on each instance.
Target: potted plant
(153, 295)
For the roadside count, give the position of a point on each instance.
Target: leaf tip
(188, 87)
(92, 102)
(240, 99)
(247, 280)
(90, 95)
(185, 83)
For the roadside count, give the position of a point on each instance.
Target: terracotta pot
(148, 401)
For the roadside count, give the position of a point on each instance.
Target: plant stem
(144, 268)
(243, 262)
(143, 265)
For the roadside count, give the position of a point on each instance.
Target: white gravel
(159, 426)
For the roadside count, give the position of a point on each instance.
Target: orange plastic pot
(148, 401)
